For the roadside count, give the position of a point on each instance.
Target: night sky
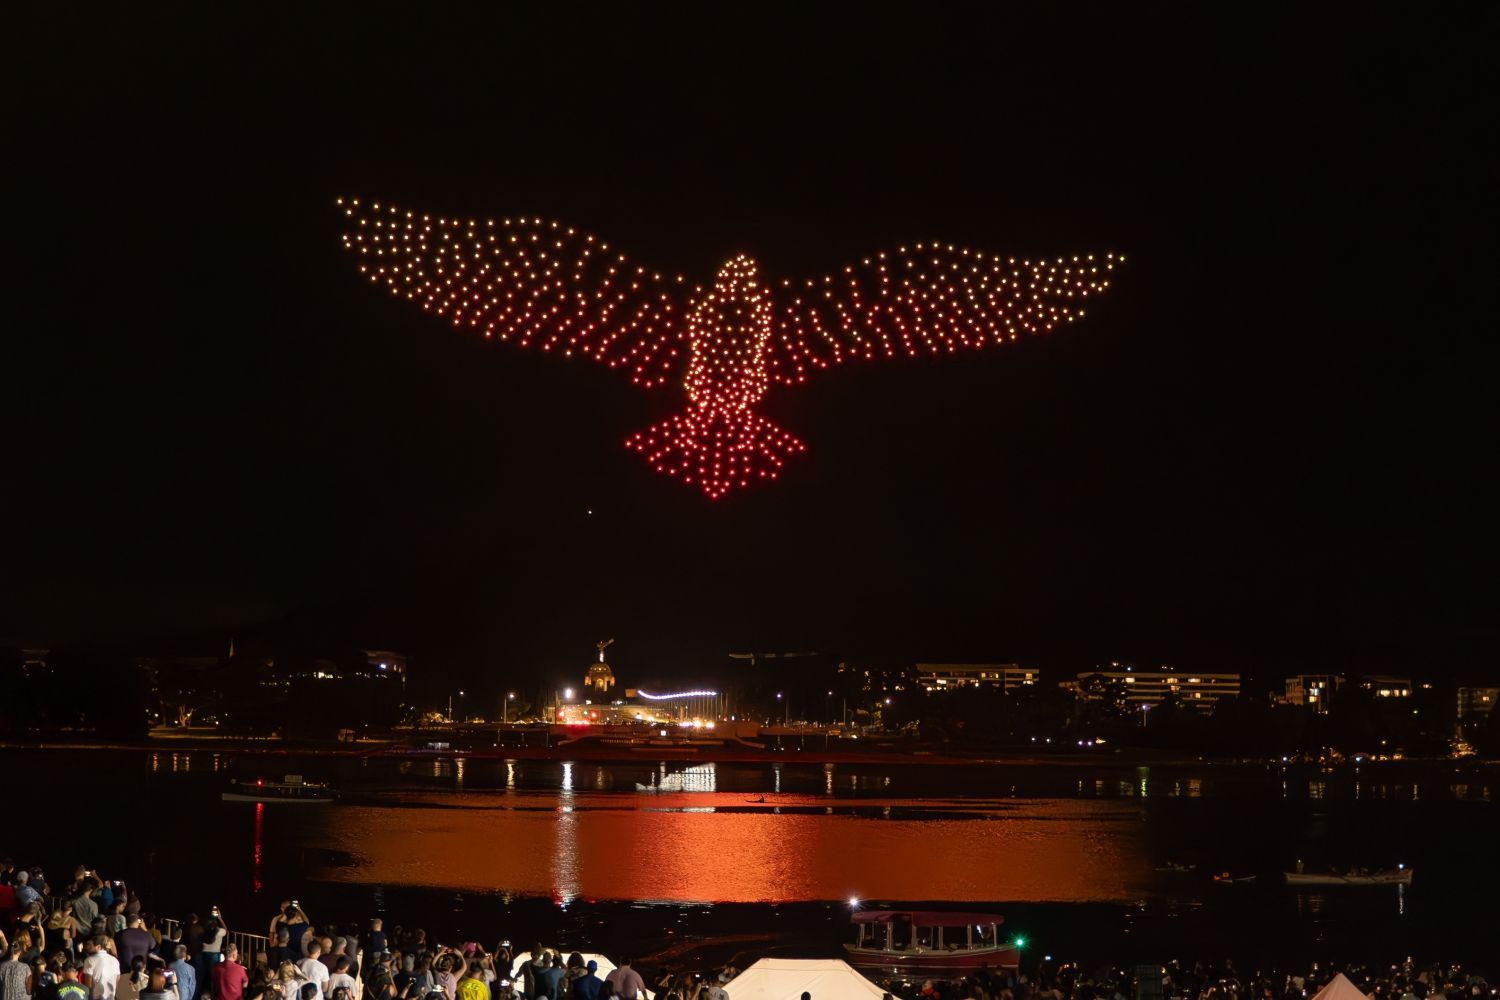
(1271, 447)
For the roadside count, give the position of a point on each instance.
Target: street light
(505, 707)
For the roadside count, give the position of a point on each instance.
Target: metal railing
(248, 944)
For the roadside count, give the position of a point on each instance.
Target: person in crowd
(340, 975)
(549, 980)
(288, 980)
(133, 940)
(298, 929)
(382, 984)
(313, 969)
(15, 975)
(279, 920)
(229, 976)
(133, 980)
(471, 985)
(207, 944)
(450, 965)
(573, 971)
(157, 987)
(101, 970)
(114, 920)
(71, 986)
(281, 950)
(625, 982)
(531, 970)
(588, 986)
(85, 909)
(415, 969)
(46, 973)
(184, 975)
(714, 989)
(26, 894)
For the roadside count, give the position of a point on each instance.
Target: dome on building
(599, 678)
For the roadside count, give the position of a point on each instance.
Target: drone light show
(540, 284)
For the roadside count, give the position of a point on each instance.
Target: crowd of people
(1210, 981)
(92, 939)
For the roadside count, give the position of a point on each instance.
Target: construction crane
(602, 646)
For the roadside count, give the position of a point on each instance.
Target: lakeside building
(874, 682)
(1386, 686)
(1313, 691)
(1008, 677)
(1144, 689)
(381, 664)
(1476, 703)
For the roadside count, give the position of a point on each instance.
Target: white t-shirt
(103, 970)
(339, 979)
(216, 943)
(316, 972)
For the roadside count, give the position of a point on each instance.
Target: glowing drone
(542, 284)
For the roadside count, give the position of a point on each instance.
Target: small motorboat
(1224, 878)
(929, 942)
(290, 789)
(1400, 875)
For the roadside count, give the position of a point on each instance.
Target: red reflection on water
(260, 812)
(674, 847)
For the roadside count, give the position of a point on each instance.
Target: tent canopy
(789, 978)
(1340, 988)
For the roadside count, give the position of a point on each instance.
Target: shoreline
(590, 749)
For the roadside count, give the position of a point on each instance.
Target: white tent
(1340, 988)
(789, 978)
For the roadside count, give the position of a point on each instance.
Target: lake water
(645, 856)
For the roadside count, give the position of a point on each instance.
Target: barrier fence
(249, 944)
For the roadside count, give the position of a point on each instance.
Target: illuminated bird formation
(541, 284)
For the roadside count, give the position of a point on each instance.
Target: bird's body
(720, 441)
(543, 285)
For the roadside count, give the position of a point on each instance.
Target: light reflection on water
(690, 846)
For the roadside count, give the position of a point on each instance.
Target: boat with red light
(292, 789)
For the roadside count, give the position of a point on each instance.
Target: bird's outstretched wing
(926, 299)
(531, 281)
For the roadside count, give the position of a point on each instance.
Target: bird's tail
(716, 450)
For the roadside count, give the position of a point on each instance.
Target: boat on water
(291, 789)
(1393, 876)
(929, 941)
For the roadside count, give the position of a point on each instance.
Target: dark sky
(1271, 447)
